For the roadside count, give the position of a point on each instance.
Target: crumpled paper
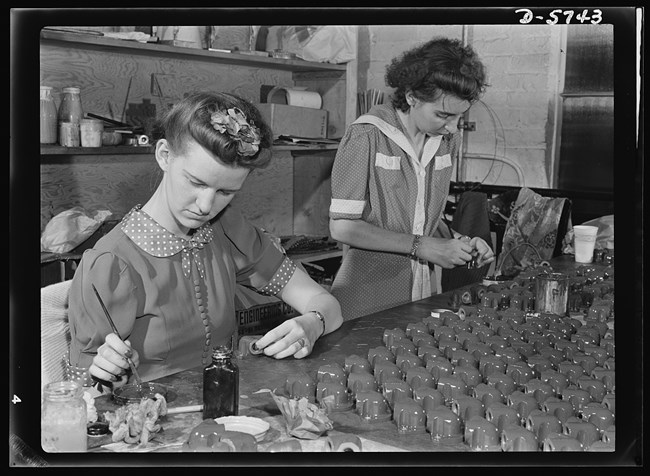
(137, 422)
(330, 44)
(304, 419)
(320, 44)
(91, 410)
(70, 228)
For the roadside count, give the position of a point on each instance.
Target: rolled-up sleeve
(280, 278)
(350, 173)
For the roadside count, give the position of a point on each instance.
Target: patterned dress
(377, 177)
(172, 298)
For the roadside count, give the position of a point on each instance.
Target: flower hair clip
(233, 122)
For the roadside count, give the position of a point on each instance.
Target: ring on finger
(301, 342)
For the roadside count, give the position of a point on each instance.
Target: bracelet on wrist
(322, 319)
(415, 246)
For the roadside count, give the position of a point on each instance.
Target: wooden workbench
(258, 374)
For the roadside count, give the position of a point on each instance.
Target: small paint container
(69, 134)
(91, 132)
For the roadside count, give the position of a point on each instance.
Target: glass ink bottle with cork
(221, 385)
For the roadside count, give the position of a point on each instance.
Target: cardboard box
(295, 121)
(258, 314)
(262, 318)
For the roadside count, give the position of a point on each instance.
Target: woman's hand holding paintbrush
(111, 364)
(115, 356)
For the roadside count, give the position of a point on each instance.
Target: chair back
(55, 331)
(470, 218)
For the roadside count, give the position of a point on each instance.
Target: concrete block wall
(517, 116)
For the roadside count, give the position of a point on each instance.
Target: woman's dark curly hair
(441, 65)
(190, 118)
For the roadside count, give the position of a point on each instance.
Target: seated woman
(168, 272)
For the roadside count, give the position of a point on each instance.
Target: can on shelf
(91, 132)
(69, 134)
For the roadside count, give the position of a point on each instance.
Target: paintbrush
(110, 321)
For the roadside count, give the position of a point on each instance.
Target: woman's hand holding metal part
(482, 253)
(294, 337)
(445, 252)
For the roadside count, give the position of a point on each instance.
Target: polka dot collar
(156, 240)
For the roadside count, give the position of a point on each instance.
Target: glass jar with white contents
(63, 418)
(48, 116)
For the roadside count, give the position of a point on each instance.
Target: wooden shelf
(105, 66)
(239, 59)
(105, 150)
(54, 150)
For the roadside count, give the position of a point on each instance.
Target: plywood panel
(117, 183)
(267, 196)
(112, 81)
(114, 183)
(104, 77)
(312, 192)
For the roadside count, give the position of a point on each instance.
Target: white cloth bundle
(70, 228)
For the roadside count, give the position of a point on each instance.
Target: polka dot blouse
(280, 279)
(157, 241)
(174, 299)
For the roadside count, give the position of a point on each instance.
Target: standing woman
(390, 182)
(168, 272)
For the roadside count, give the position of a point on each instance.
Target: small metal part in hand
(253, 349)
(473, 263)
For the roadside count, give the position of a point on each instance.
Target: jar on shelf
(69, 134)
(63, 418)
(49, 118)
(70, 113)
(91, 132)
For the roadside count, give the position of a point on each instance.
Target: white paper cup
(584, 240)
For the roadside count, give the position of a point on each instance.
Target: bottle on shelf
(69, 117)
(48, 116)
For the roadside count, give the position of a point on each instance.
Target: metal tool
(110, 121)
(108, 316)
(124, 127)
